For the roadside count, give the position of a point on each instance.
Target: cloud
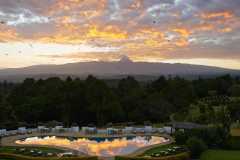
(8, 34)
(142, 29)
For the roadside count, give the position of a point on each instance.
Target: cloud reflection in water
(105, 147)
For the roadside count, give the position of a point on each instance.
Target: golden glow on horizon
(227, 63)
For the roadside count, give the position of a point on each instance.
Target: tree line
(95, 101)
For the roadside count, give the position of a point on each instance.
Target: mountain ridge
(121, 64)
(117, 68)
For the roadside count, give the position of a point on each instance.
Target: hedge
(232, 143)
(181, 156)
(20, 157)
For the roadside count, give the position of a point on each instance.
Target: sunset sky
(34, 32)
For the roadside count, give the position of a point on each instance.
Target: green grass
(220, 155)
(158, 149)
(31, 151)
(43, 149)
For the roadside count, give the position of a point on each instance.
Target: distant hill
(113, 69)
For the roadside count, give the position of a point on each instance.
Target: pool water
(104, 147)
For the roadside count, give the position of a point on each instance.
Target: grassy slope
(43, 149)
(220, 155)
(158, 149)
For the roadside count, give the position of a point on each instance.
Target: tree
(196, 147)
(131, 96)
(101, 101)
(234, 90)
(0, 141)
(234, 110)
(180, 137)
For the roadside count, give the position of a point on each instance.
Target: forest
(99, 102)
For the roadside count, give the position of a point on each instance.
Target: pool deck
(10, 141)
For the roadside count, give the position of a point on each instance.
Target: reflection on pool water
(97, 146)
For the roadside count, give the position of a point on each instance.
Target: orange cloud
(79, 6)
(183, 32)
(137, 4)
(60, 38)
(204, 27)
(225, 14)
(75, 34)
(65, 19)
(107, 33)
(8, 34)
(226, 30)
(182, 43)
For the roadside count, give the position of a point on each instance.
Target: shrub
(212, 136)
(196, 147)
(233, 143)
(180, 137)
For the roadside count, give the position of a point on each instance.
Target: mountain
(113, 69)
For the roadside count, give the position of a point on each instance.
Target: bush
(181, 156)
(233, 143)
(20, 157)
(196, 147)
(180, 137)
(212, 136)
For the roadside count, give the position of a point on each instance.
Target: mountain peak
(125, 59)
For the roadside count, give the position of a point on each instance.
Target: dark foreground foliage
(94, 101)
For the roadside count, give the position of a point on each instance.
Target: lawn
(220, 155)
(157, 149)
(165, 150)
(31, 151)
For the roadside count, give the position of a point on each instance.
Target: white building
(42, 129)
(139, 130)
(3, 132)
(128, 130)
(89, 130)
(148, 129)
(58, 129)
(169, 130)
(112, 131)
(22, 130)
(12, 132)
(75, 129)
(101, 131)
(160, 130)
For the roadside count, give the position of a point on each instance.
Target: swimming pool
(97, 146)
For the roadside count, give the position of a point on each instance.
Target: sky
(34, 32)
